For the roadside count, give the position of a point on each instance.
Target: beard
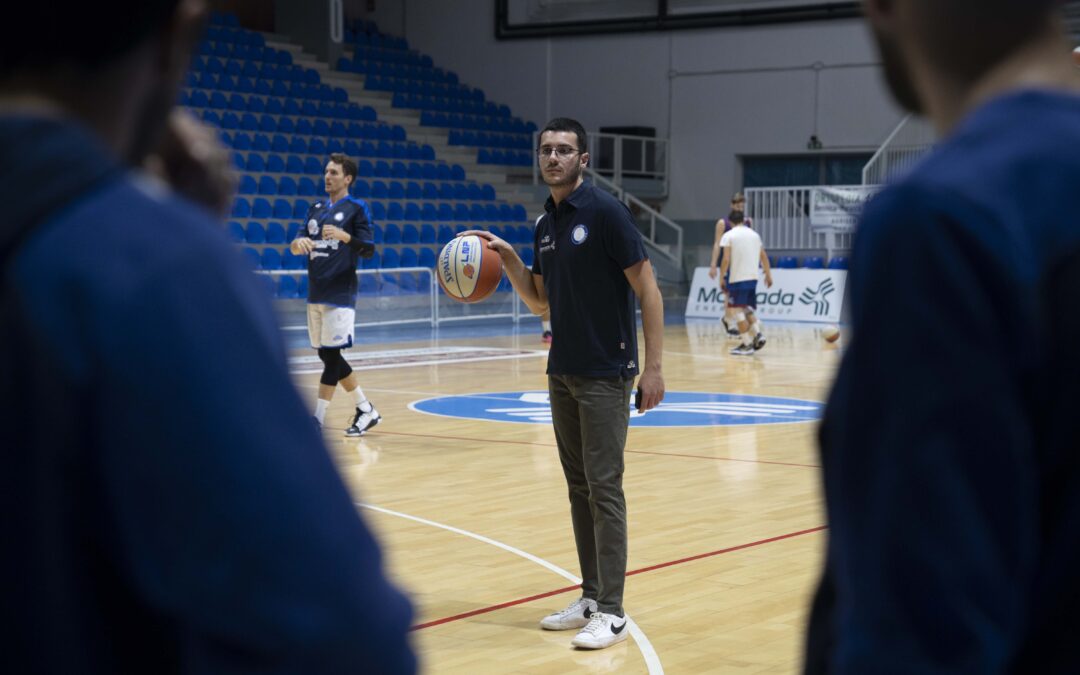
(569, 176)
(897, 75)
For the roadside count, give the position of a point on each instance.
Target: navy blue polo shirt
(581, 249)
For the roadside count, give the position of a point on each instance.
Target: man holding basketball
(589, 264)
(337, 231)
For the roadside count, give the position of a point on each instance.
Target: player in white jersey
(723, 226)
(742, 250)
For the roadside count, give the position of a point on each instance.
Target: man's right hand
(712, 272)
(302, 246)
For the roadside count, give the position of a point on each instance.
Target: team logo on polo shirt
(579, 234)
(313, 227)
(339, 216)
(679, 409)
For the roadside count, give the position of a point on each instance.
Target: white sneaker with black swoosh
(576, 615)
(603, 630)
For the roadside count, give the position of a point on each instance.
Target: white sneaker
(603, 630)
(575, 616)
(363, 420)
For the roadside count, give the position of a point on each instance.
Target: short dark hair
(348, 164)
(571, 125)
(735, 217)
(72, 33)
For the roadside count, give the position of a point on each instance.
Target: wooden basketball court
(726, 522)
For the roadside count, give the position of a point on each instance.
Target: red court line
(559, 591)
(635, 452)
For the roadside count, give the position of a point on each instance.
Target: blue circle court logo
(679, 409)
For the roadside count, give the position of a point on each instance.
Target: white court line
(652, 660)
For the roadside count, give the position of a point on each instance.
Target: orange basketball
(468, 270)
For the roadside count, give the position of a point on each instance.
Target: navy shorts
(743, 294)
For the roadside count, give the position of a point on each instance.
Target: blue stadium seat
(426, 258)
(527, 255)
(838, 263)
(369, 285)
(307, 188)
(282, 209)
(427, 234)
(255, 233)
(248, 186)
(409, 257)
(236, 231)
(288, 287)
(371, 263)
(286, 186)
(275, 163)
(302, 287)
(252, 257)
(392, 234)
(294, 164)
(300, 208)
(787, 262)
(271, 258)
(267, 186)
(261, 208)
(410, 234)
(289, 261)
(390, 259)
(241, 208)
(275, 233)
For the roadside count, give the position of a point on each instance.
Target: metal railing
(912, 138)
(782, 217)
(429, 305)
(670, 249)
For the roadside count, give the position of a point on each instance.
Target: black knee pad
(335, 368)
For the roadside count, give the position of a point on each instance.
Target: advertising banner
(796, 295)
(838, 208)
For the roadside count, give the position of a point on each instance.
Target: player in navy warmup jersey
(336, 233)
(951, 441)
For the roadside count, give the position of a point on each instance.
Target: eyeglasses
(559, 151)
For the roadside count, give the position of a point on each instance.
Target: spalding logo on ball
(468, 270)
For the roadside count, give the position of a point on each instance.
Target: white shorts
(330, 326)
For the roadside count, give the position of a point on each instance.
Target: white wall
(704, 89)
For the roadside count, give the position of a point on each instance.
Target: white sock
(359, 398)
(320, 409)
(546, 326)
(747, 337)
(755, 327)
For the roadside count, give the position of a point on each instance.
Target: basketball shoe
(743, 350)
(363, 419)
(603, 630)
(577, 615)
(759, 341)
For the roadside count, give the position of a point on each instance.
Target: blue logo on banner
(679, 409)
